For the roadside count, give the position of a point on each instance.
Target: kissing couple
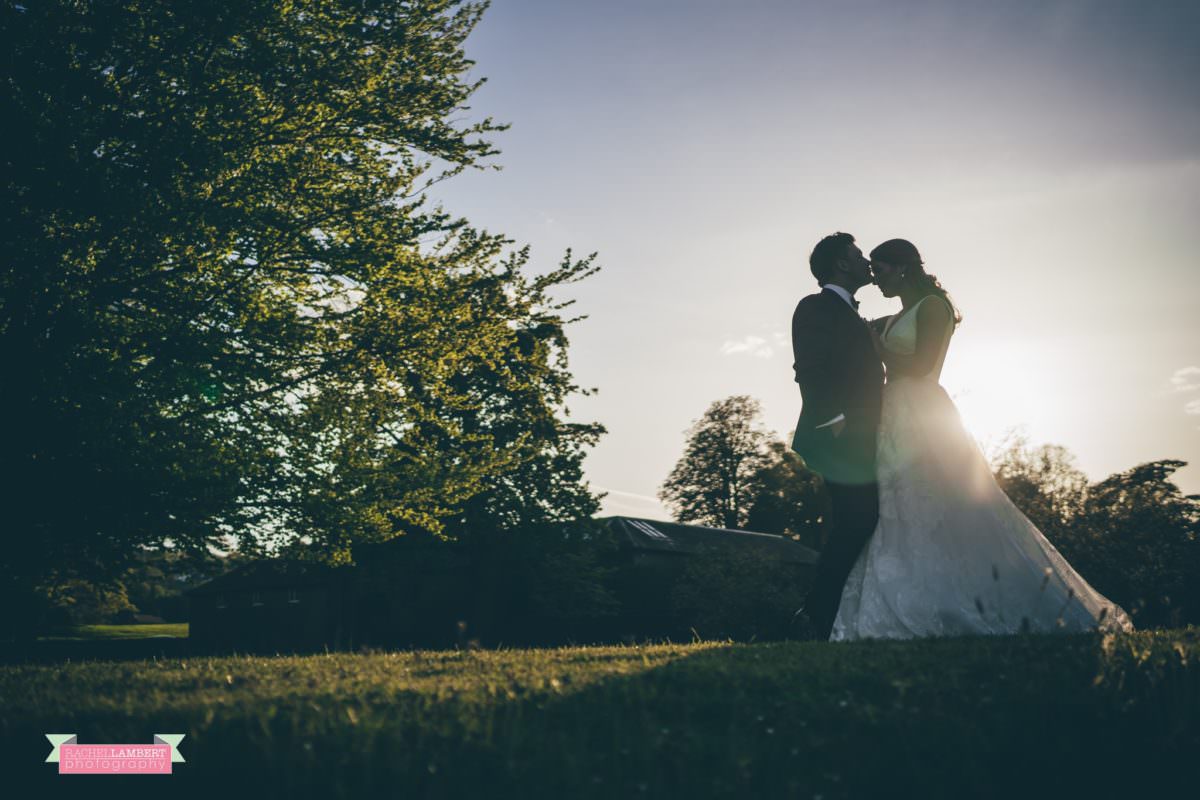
(922, 540)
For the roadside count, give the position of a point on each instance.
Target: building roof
(647, 535)
(267, 574)
(660, 536)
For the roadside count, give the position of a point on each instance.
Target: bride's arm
(932, 321)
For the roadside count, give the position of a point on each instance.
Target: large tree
(226, 313)
(720, 473)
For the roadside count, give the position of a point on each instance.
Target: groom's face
(856, 265)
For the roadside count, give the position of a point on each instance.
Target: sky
(1044, 157)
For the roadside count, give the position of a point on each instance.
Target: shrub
(739, 594)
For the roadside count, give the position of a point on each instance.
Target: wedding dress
(951, 555)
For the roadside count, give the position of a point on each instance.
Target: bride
(951, 555)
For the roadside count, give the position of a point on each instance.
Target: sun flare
(993, 399)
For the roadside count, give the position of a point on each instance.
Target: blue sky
(1045, 158)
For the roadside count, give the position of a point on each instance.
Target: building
(271, 605)
(605, 580)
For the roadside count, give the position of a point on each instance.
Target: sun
(999, 389)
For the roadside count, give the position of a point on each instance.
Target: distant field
(99, 632)
(1027, 716)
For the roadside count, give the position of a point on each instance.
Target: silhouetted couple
(922, 542)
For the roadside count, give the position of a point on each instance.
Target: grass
(995, 717)
(106, 632)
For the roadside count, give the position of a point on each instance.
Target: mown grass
(1027, 716)
(105, 632)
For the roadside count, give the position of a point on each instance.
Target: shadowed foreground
(994, 717)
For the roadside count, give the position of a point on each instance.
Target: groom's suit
(840, 376)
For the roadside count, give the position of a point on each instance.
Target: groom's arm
(811, 347)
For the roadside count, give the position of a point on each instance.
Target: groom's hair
(824, 258)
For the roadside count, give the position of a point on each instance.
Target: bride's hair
(903, 253)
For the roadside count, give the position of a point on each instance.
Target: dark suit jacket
(838, 373)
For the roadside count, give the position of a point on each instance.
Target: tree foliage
(518, 396)
(719, 475)
(1140, 537)
(226, 313)
(1044, 482)
(1134, 535)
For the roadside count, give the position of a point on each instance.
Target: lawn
(105, 632)
(1029, 716)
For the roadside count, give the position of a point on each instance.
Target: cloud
(752, 345)
(1186, 379)
(756, 346)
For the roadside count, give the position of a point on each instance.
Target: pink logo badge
(114, 759)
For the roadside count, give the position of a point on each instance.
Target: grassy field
(106, 632)
(1028, 716)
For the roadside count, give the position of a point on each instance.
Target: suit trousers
(854, 512)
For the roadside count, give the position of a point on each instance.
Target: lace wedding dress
(951, 555)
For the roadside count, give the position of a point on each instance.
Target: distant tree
(82, 602)
(1044, 482)
(791, 500)
(721, 471)
(156, 581)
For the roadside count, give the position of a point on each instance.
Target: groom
(841, 384)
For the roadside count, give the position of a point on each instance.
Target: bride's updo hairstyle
(903, 253)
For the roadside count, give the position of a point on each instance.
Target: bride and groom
(923, 542)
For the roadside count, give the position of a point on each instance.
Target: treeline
(1134, 535)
